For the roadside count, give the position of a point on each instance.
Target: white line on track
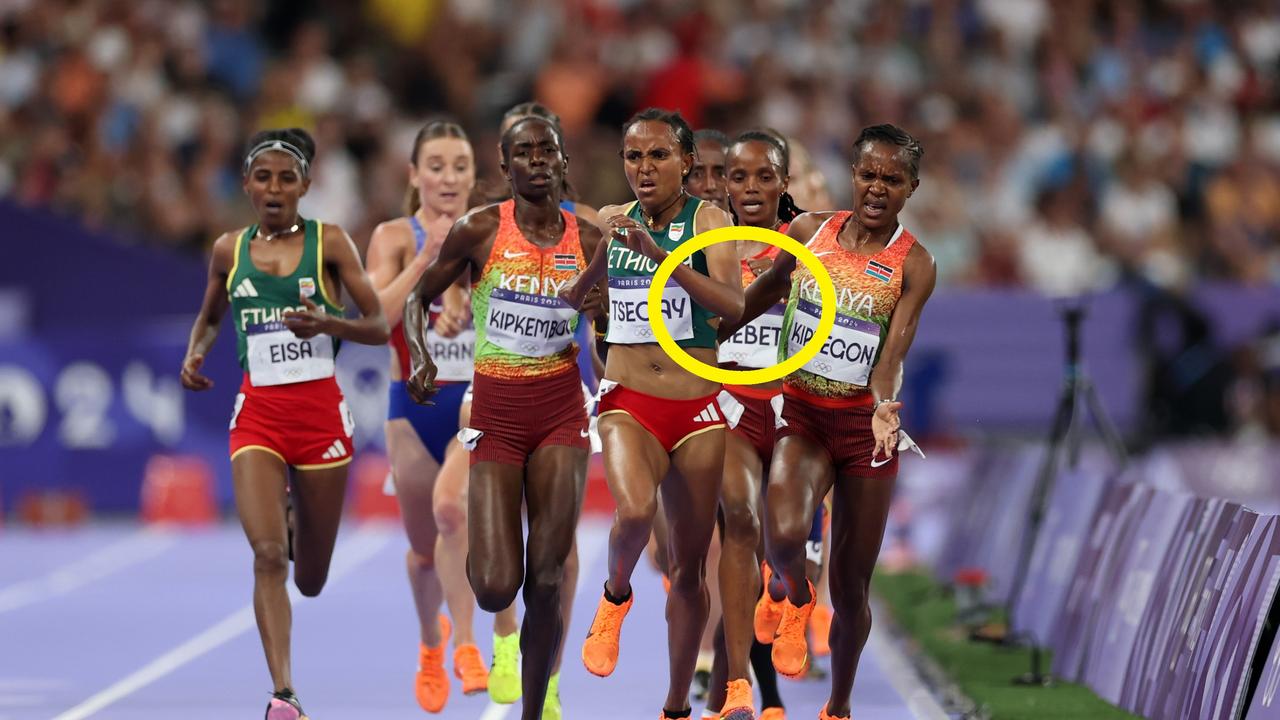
(593, 540)
(902, 676)
(352, 553)
(136, 548)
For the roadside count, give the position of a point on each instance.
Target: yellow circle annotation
(826, 322)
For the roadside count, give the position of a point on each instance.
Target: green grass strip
(982, 671)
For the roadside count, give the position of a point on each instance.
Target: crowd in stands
(1069, 146)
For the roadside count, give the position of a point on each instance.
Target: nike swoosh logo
(877, 463)
(508, 254)
(584, 433)
(821, 254)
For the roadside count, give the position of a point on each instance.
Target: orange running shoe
(773, 713)
(790, 646)
(768, 611)
(824, 715)
(469, 667)
(820, 630)
(431, 683)
(600, 651)
(738, 703)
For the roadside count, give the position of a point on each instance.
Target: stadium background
(1123, 155)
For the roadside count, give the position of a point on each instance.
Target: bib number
(847, 356)
(278, 357)
(629, 311)
(529, 325)
(755, 345)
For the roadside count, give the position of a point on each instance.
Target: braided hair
(673, 119)
(891, 135)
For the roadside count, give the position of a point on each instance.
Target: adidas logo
(335, 451)
(245, 289)
(708, 414)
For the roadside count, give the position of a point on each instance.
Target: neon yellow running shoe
(551, 705)
(504, 674)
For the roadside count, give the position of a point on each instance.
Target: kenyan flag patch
(565, 261)
(879, 271)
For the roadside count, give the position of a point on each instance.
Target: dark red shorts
(757, 425)
(672, 422)
(843, 431)
(516, 417)
(306, 425)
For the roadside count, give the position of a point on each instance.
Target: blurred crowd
(1069, 146)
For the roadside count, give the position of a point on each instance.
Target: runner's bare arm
(720, 290)
(458, 252)
(771, 286)
(594, 245)
(455, 310)
(919, 276)
(370, 328)
(209, 319)
(589, 214)
(467, 243)
(594, 274)
(595, 303)
(393, 268)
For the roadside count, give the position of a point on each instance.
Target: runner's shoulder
(806, 224)
(710, 217)
(222, 252)
(479, 222)
(609, 211)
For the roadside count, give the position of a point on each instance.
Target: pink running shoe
(284, 706)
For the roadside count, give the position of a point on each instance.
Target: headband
(280, 146)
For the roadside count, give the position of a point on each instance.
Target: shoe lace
(468, 659)
(739, 692)
(609, 618)
(505, 651)
(433, 680)
(793, 622)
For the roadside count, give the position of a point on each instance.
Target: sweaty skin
(801, 473)
(552, 479)
(274, 185)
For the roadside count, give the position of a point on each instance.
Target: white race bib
(454, 357)
(278, 357)
(755, 345)
(629, 311)
(529, 325)
(847, 356)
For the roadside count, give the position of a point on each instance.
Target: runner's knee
(542, 583)
(270, 559)
(310, 583)
(851, 599)
(690, 576)
(635, 519)
(451, 516)
(741, 525)
(421, 561)
(494, 585)
(788, 533)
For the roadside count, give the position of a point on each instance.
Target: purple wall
(109, 322)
